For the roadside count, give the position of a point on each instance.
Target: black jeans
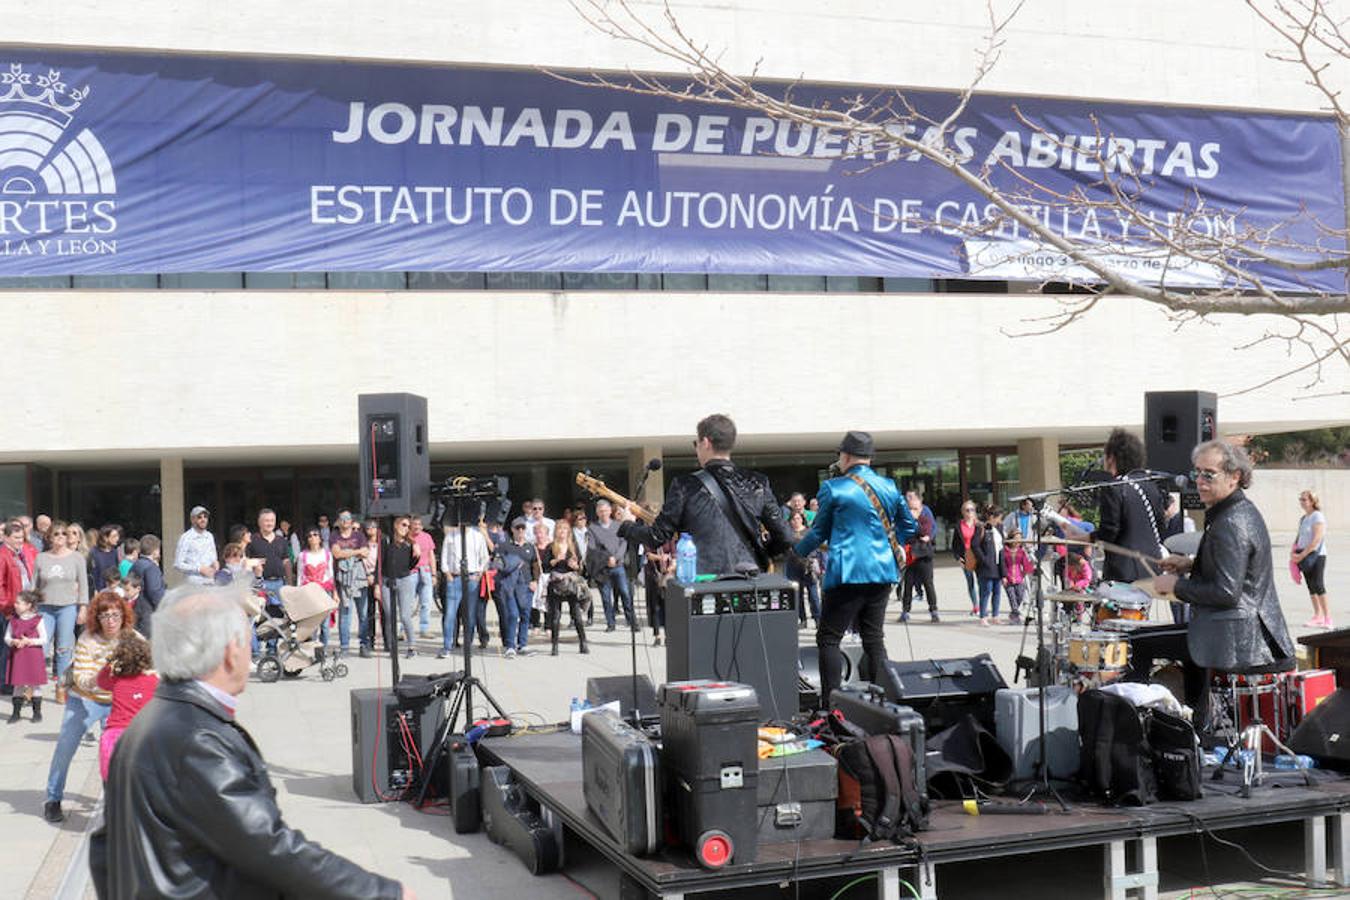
(919, 574)
(846, 605)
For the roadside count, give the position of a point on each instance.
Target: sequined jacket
(1236, 621)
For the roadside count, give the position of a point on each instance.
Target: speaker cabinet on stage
(395, 456)
(1330, 650)
(1174, 422)
(737, 629)
(1324, 734)
(380, 764)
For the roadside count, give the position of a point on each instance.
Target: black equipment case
(796, 797)
(513, 819)
(465, 807)
(944, 690)
(621, 781)
(710, 754)
(867, 707)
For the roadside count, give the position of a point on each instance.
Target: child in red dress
(27, 639)
(128, 676)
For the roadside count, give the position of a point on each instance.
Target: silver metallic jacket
(1236, 621)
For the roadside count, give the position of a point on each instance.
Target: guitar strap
(738, 524)
(898, 550)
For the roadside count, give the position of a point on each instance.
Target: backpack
(878, 797)
(1136, 756)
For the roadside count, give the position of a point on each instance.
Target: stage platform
(548, 766)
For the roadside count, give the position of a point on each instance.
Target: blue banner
(125, 163)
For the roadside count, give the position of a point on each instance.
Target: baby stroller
(303, 611)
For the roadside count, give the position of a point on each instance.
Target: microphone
(653, 465)
(1180, 482)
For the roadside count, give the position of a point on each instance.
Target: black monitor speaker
(395, 455)
(1174, 422)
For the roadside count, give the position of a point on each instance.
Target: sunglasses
(1209, 475)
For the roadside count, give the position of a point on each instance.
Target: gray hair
(603, 503)
(194, 626)
(1234, 459)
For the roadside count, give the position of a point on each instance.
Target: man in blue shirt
(862, 568)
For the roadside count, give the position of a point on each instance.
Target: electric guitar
(598, 488)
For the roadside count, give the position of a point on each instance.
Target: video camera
(472, 497)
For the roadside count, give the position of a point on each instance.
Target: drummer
(1133, 512)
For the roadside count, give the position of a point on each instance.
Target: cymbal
(1146, 585)
(1071, 597)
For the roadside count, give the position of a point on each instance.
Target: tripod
(462, 698)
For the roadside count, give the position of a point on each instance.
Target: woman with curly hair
(130, 677)
(109, 618)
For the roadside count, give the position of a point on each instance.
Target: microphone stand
(633, 629)
(1044, 665)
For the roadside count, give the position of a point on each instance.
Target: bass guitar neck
(598, 488)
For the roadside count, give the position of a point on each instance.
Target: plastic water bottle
(686, 559)
(1286, 761)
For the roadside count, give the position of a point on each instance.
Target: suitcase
(796, 797)
(867, 707)
(1017, 722)
(465, 807)
(710, 756)
(621, 780)
(1305, 691)
(513, 820)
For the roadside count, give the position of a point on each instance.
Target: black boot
(553, 632)
(37, 708)
(18, 708)
(581, 635)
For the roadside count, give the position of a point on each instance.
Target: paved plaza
(304, 731)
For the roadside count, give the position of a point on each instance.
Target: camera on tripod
(470, 497)
(472, 487)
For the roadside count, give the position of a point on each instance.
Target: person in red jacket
(18, 567)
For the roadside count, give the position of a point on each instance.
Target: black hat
(857, 443)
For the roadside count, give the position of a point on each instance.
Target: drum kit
(1090, 631)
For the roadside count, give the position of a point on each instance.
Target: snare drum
(1098, 651)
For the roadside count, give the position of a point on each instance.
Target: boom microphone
(653, 464)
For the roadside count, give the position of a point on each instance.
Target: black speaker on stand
(395, 477)
(395, 455)
(1174, 422)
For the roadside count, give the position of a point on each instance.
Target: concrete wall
(1275, 492)
(1210, 52)
(215, 375)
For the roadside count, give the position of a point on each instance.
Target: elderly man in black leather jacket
(191, 811)
(728, 541)
(1236, 621)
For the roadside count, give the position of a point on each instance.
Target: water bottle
(686, 559)
(1287, 761)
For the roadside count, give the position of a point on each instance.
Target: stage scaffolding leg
(1340, 847)
(888, 884)
(1119, 881)
(1315, 850)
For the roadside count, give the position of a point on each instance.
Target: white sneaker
(510, 653)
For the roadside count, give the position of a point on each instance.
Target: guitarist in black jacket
(731, 537)
(1132, 515)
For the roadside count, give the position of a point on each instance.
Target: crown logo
(44, 95)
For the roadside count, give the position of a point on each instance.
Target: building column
(1038, 464)
(172, 508)
(654, 493)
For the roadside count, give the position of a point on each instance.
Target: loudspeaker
(380, 763)
(944, 690)
(1324, 734)
(737, 629)
(395, 456)
(607, 688)
(1174, 422)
